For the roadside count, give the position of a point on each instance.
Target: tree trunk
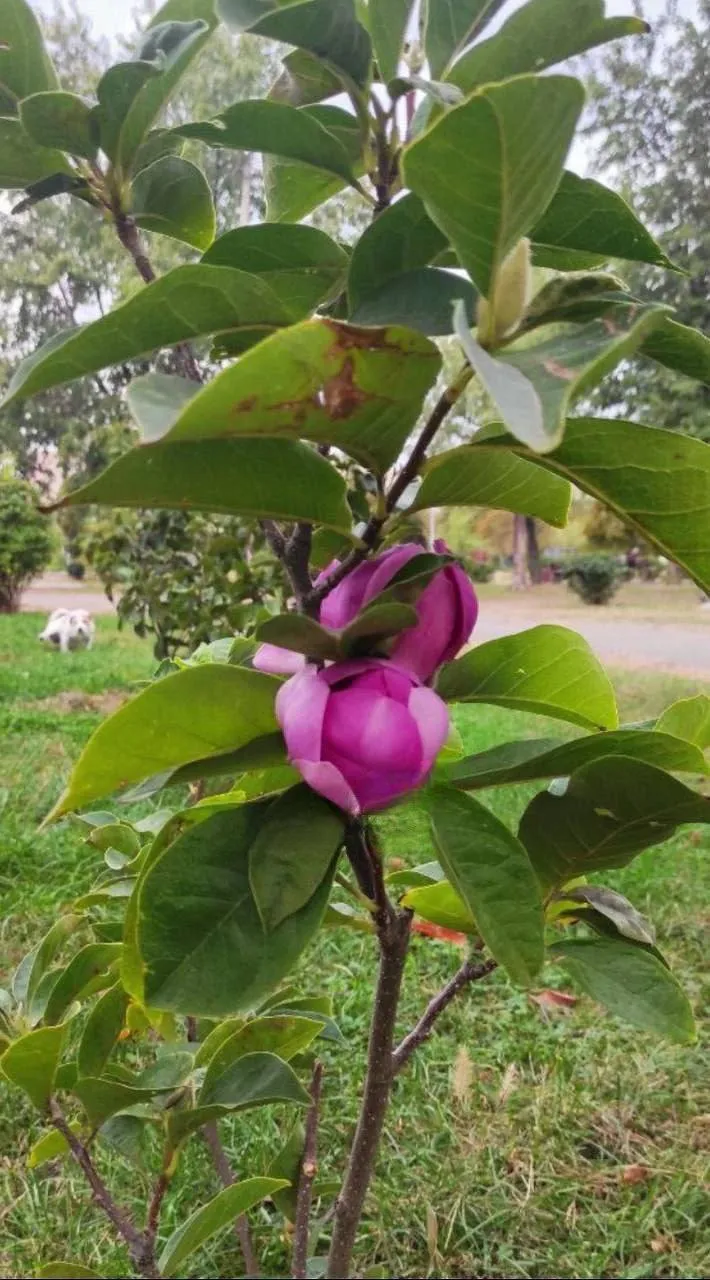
(534, 566)
(521, 570)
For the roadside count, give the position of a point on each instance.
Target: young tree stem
(309, 1169)
(228, 1178)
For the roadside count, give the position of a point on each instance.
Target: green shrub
(594, 577)
(25, 541)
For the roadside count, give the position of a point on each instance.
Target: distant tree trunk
(521, 570)
(534, 566)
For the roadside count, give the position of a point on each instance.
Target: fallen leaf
(635, 1173)
(508, 1083)
(462, 1075)
(439, 932)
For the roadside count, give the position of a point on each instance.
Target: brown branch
(296, 559)
(470, 971)
(139, 1245)
(156, 1204)
(228, 1178)
(309, 1169)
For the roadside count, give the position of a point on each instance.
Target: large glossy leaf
(59, 119)
(473, 475)
(423, 299)
(657, 481)
(359, 389)
(282, 479)
(302, 264)
(31, 1062)
(387, 21)
(91, 960)
(148, 102)
(401, 239)
(190, 715)
(281, 1034)
(101, 1031)
(256, 1080)
(533, 382)
(214, 1216)
(22, 161)
(540, 34)
(172, 197)
(293, 190)
(292, 853)
(200, 935)
(327, 28)
(585, 216)
(527, 759)
(493, 874)
(548, 670)
(608, 812)
(188, 302)
(451, 25)
(630, 982)
(274, 128)
(487, 170)
(689, 718)
(680, 348)
(25, 65)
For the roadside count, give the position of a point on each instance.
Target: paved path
(658, 643)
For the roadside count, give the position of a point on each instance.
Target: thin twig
(469, 972)
(228, 1178)
(309, 1169)
(139, 1246)
(156, 1204)
(296, 559)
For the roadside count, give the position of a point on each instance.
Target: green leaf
(478, 476)
(172, 197)
(442, 905)
(192, 714)
(101, 1031)
(51, 1146)
(539, 35)
(256, 1080)
(91, 960)
(158, 144)
(25, 65)
(528, 759)
(287, 1164)
(609, 811)
(56, 184)
(631, 983)
(657, 481)
(547, 670)
(126, 1134)
(304, 79)
(300, 634)
(417, 877)
(280, 1034)
(118, 87)
(359, 389)
(423, 299)
(189, 302)
(102, 1098)
(680, 348)
(35, 964)
(401, 239)
(585, 216)
(282, 479)
(375, 625)
(534, 381)
(274, 128)
(200, 936)
(493, 874)
(292, 853)
(327, 28)
(388, 21)
(23, 161)
(31, 1062)
(514, 138)
(59, 119)
(213, 1217)
(301, 264)
(615, 909)
(688, 719)
(451, 25)
(293, 190)
(268, 751)
(66, 1271)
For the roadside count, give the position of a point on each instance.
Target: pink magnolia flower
(361, 733)
(447, 610)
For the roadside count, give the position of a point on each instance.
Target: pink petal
(387, 566)
(345, 601)
(431, 716)
(329, 782)
(371, 730)
(277, 661)
(300, 708)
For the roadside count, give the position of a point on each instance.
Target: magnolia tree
(454, 144)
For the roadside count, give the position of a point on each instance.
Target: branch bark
(309, 1169)
(228, 1178)
(470, 971)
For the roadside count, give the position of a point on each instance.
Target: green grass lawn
(517, 1145)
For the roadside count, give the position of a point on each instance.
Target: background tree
(25, 541)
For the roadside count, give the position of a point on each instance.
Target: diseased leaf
(547, 670)
(631, 982)
(515, 137)
(477, 476)
(172, 197)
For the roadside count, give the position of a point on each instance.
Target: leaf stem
(470, 971)
(309, 1169)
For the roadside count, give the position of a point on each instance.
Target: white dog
(69, 629)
